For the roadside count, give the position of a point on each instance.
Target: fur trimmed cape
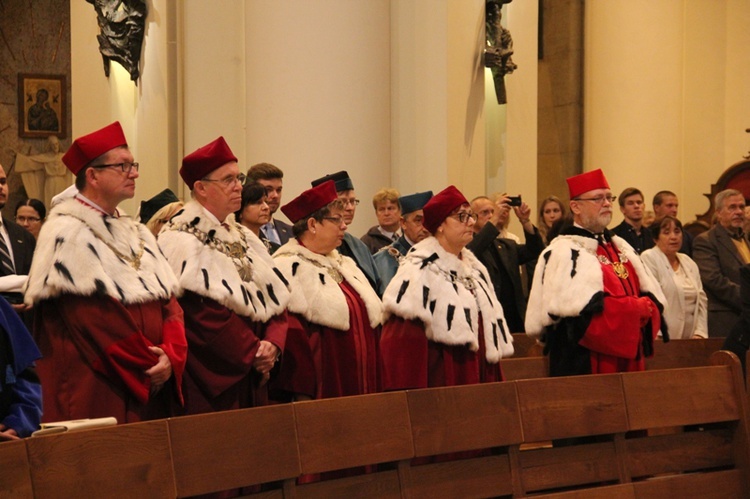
(226, 263)
(434, 287)
(84, 252)
(568, 275)
(316, 295)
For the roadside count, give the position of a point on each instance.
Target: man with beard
(593, 303)
(631, 229)
(720, 253)
(412, 216)
(272, 179)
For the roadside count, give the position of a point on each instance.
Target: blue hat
(342, 180)
(414, 202)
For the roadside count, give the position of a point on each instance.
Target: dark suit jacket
(719, 263)
(284, 230)
(23, 245)
(494, 253)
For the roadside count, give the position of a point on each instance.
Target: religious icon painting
(41, 105)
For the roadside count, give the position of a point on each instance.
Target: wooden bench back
(599, 427)
(120, 461)
(227, 450)
(349, 432)
(584, 436)
(15, 473)
(525, 346)
(683, 353)
(452, 420)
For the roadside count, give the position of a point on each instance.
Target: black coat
(502, 257)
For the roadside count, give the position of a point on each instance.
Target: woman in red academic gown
(444, 326)
(334, 313)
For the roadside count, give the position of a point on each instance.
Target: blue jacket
(386, 263)
(357, 251)
(20, 390)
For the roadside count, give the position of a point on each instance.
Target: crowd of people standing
(215, 304)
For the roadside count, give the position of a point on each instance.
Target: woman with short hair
(444, 325)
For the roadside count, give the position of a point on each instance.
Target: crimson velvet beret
(204, 160)
(585, 182)
(440, 206)
(310, 201)
(89, 147)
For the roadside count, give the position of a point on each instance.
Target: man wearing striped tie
(16, 250)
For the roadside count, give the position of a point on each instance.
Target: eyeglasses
(353, 202)
(336, 220)
(28, 219)
(464, 216)
(228, 181)
(598, 199)
(125, 167)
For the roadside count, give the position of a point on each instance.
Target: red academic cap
(204, 160)
(89, 147)
(586, 182)
(310, 201)
(440, 206)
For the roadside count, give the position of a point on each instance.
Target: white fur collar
(434, 286)
(228, 264)
(83, 252)
(315, 294)
(568, 275)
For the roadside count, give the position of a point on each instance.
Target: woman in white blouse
(686, 309)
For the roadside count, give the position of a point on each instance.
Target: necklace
(335, 273)
(134, 259)
(236, 251)
(620, 269)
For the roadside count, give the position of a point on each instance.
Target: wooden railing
(503, 432)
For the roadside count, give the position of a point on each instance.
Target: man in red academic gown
(234, 298)
(106, 319)
(593, 303)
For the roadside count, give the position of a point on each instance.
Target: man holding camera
(503, 256)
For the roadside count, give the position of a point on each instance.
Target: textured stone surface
(34, 38)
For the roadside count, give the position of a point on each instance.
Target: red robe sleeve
(403, 355)
(223, 344)
(616, 330)
(275, 330)
(174, 342)
(109, 338)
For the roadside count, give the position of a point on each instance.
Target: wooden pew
(349, 432)
(15, 475)
(524, 367)
(604, 458)
(525, 346)
(675, 354)
(683, 353)
(234, 449)
(121, 461)
(455, 419)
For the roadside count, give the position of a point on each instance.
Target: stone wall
(34, 39)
